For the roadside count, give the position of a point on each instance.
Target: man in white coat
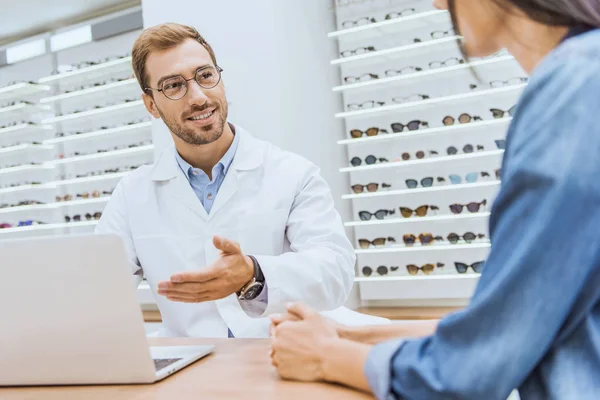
(226, 228)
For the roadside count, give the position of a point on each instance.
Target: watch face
(253, 291)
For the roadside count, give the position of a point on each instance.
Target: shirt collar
(576, 31)
(224, 163)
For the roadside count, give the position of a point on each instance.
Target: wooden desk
(238, 369)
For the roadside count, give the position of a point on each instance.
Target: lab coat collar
(249, 156)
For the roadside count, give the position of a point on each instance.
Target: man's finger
(226, 246)
(300, 310)
(276, 319)
(187, 287)
(203, 275)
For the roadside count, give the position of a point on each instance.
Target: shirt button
(195, 172)
(210, 196)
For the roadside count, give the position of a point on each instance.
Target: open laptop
(70, 316)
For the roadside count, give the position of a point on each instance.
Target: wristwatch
(252, 289)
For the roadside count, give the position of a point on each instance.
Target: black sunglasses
(380, 214)
(371, 187)
(369, 160)
(398, 127)
(425, 182)
(462, 268)
(381, 270)
(467, 237)
(466, 149)
(472, 207)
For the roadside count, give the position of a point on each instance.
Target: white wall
(275, 55)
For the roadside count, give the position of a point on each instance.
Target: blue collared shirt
(534, 320)
(206, 190)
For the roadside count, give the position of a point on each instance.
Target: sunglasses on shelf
(462, 118)
(399, 14)
(358, 22)
(398, 127)
(365, 105)
(498, 113)
(427, 269)
(357, 133)
(371, 187)
(509, 82)
(419, 154)
(442, 34)
(30, 222)
(424, 238)
(425, 182)
(469, 178)
(472, 207)
(379, 242)
(87, 216)
(358, 51)
(380, 214)
(369, 160)
(410, 99)
(462, 268)
(406, 70)
(446, 63)
(381, 270)
(467, 237)
(467, 149)
(419, 211)
(501, 144)
(361, 78)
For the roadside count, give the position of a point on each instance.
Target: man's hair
(158, 38)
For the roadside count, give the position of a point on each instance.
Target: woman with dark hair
(534, 320)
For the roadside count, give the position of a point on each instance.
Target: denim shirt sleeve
(545, 247)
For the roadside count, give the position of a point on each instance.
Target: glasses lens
(501, 144)
(382, 270)
(355, 133)
(468, 148)
(405, 156)
(478, 266)
(370, 160)
(364, 243)
(367, 271)
(412, 269)
(208, 78)
(414, 125)
(397, 127)
(365, 215)
(372, 187)
(452, 150)
(455, 179)
(426, 238)
(473, 207)
(422, 211)
(427, 182)
(409, 240)
(372, 131)
(461, 268)
(358, 189)
(428, 269)
(175, 88)
(411, 183)
(472, 177)
(420, 155)
(469, 237)
(448, 121)
(77, 218)
(355, 161)
(379, 242)
(497, 113)
(381, 214)
(453, 238)
(456, 208)
(406, 212)
(435, 64)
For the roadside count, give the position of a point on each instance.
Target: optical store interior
(345, 155)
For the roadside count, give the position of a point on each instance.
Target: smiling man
(225, 228)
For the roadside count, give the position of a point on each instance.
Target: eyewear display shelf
(425, 132)
(65, 142)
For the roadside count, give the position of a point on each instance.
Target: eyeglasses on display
(427, 269)
(358, 22)
(379, 242)
(419, 155)
(398, 127)
(472, 207)
(420, 211)
(371, 187)
(442, 34)
(462, 118)
(501, 144)
(357, 51)
(498, 113)
(403, 13)
(509, 82)
(365, 105)
(466, 149)
(424, 238)
(410, 99)
(425, 182)
(87, 216)
(369, 160)
(361, 78)
(446, 63)
(380, 214)
(357, 133)
(462, 268)
(469, 178)
(468, 237)
(406, 70)
(381, 270)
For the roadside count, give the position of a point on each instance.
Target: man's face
(181, 116)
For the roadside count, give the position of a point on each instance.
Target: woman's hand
(300, 339)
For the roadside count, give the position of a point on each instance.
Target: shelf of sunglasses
(509, 91)
(374, 56)
(418, 248)
(53, 185)
(447, 286)
(25, 130)
(133, 129)
(29, 168)
(22, 110)
(501, 123)
(46, 227)
(104, 112)
(406, 78)
(128, 86)
(54, 205)
(22, 89)
(30, 148)
(431, 160)
(388, 26)
(92, 72)
(107, 154)
(482, 215)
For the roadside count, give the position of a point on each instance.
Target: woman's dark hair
(548, 12)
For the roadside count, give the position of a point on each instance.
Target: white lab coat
(274, 203)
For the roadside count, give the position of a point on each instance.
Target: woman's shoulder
(580, 51)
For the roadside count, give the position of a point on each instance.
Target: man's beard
(209, 133)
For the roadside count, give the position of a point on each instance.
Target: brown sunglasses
(379, 242)
(424, 238)
(357, 133)
(427, 268)
(419, 211)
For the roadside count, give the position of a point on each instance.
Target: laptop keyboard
(160, 363)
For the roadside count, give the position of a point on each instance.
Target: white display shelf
(106, 111)
(419, 248)
(449, 286)
(112, 89)
(92, 72)
(144, 294)
(121, 130)
(45, 227)
(21, 90)
(404, 78)
(443, 130)
(28, 167)
(54, 184)
(435, 218)
(429, 160)
(405, 192)
(22, 109)
(54, 206)
(378, 29)
(26, 129)
(108, 154)
(463, 97)
(394, 52)
(24, 148)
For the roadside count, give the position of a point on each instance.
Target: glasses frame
(194, 78)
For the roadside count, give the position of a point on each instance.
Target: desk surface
(238, 369)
